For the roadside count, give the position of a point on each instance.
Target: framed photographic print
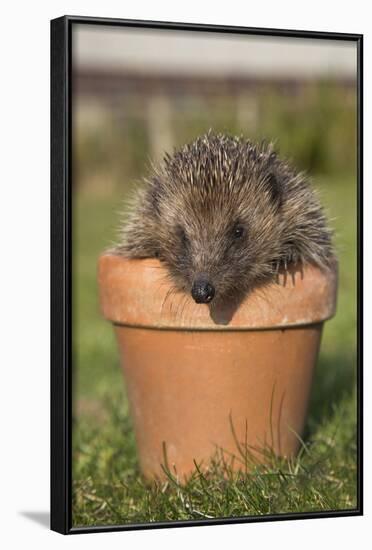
(206, 274)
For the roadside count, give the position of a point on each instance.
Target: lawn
(107, 486)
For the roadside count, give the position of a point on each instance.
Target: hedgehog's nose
(202, 291)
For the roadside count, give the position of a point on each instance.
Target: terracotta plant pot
(201, 379)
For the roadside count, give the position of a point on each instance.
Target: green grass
(107, 486)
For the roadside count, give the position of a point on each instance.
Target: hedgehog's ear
(275, 189)
(154, 195)
(154, 200)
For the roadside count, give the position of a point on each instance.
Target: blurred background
(138, 93)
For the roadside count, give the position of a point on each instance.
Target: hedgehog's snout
(202, 291)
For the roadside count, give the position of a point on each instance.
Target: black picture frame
(61, 268)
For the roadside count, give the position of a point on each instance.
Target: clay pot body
(201, 379)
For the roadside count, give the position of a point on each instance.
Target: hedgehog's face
(212, 259)
(219, 251)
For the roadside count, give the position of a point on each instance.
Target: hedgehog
(224, 215)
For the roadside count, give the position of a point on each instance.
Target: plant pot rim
(138, 293)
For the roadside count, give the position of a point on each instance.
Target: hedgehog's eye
(238, 232)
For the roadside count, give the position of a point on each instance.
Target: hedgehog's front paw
(285, 264)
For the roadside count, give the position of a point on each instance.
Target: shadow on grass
(335, 379)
